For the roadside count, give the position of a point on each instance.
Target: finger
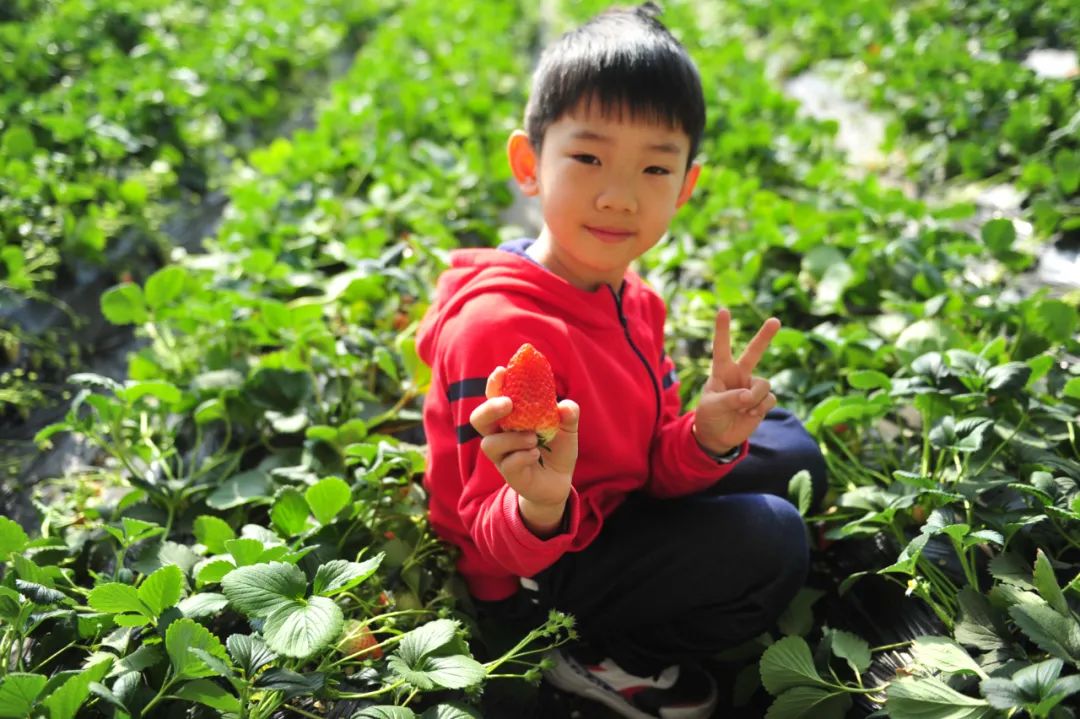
(759, 390)
(732, 400)
(721, 351)
(768, 404)
(569, 416)
(756, 349)
(485, 418)
(515, 462)
(501, 444)
(494, 385)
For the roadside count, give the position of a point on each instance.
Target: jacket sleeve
(488, 506)
(678, 464)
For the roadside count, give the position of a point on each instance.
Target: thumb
(569, 415)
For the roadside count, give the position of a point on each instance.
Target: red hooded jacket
(607, 354)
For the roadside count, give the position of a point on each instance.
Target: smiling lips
(609, 234)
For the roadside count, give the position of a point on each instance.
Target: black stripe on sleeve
(472, 387)
(466, 433)
(670, 378)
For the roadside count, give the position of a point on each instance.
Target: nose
(617, 197)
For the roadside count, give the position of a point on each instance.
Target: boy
(665, 533)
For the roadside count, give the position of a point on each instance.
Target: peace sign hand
(733, 401)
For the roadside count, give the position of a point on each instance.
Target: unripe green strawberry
(530, 385)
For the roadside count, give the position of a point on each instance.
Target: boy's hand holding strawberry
(733, 401)
(537, 447)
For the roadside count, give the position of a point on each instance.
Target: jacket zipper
(617, 296)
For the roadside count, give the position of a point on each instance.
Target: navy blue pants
(677, 580)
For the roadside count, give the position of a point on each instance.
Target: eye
(586, 159)
(657, 170)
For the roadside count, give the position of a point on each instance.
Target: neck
(547, 254)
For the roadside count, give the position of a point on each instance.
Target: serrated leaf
(788, 664)
(39, 593)
(327, 497)
(212, 695)
(798, 617)
(1046, 584)
(1011, 569)
(455, 672)
(249, 652)
(213, 532)
(181, 637)
(852, 648)
(979, 625)
(338, 575)
(291, 683)
(115, 598)
(19, 692)
(245, 488)
(162, 589)
(811, 703)
(290, 513)
(944, 655)
(385, 711)
(1001, 693)
(203, 604)
(1037, 681)
(1052, 632)
(142, 658)
(214, 571)
(260, 589)
(65, 701)
(425, 639)
(801, 491)
(414, 676)
(299, 629)
(246, 551)
(450, 711)
(930, 698)
(12, 537)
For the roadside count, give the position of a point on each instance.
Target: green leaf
(246, 550)
(386, 711)
(944, 655)
(249, 652)
(162, 589)
(124, 305)
(1037, 681)
(261, 589)
(1007, 378)
(204, 604)
(212, 695)
(798, 617)
(65, 701)
(12, 537)
(788, 664)
(852, 648)
(1072, 388)
(414, 676)
(165, 286)
(455, 672)
(425, 639)
(19, 692)
(142, 658)
(1052, 632)
(167, 392)
(244, 488)
(290, 512)
(181, 637)
(1046, 584)
(929, 698)
(999, 235)
(338, 575)
(811, 703)
(980, 625)
(213, 532)
(115, 598)
(299, 629)
(328, 497)
(801, 491)
(214, 571)
(869, 379)
(450, 711)
(1002, 693)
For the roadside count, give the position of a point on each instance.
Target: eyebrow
(668, 148)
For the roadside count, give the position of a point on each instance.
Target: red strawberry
(530, 384)
(356, 638)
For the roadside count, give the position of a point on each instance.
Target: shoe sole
(563, 676)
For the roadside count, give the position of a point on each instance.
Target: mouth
(609, 234)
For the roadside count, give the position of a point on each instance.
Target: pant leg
(779, 448)
(677, 580)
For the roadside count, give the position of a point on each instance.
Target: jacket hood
(475, 272)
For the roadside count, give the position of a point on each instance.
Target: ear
(688, 184)
(523, 162)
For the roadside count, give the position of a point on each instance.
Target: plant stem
(887, 647)
(301, 712)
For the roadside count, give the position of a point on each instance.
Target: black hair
(625, 59)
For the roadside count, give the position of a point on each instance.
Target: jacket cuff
(527, 542)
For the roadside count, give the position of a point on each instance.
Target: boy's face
(608, 188)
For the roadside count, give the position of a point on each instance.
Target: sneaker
(678, 692)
